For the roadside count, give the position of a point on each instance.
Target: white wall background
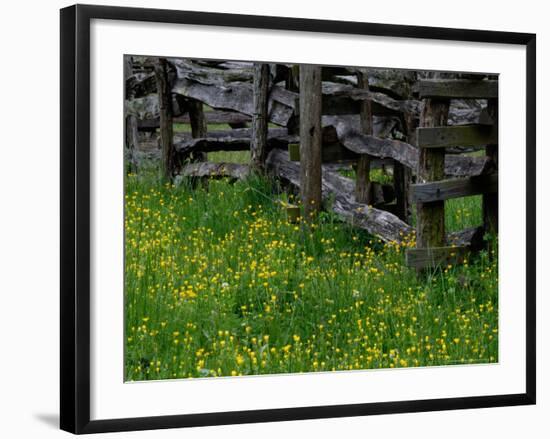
(29, 206)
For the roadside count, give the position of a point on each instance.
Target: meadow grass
(218, 282)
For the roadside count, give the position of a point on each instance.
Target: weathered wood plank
(403, 152)
(211, 117)
(187, 69)
(421, 258)
(458, 135)
(336, 100)
(238, 97)
(330, 153)
(430, 217)
(457, 88)
(363, 187)
(310, 139)
(169, 156)
(455, 188)
(132, 143)
(198, 125)
(230, 140)
(215, 170)
(490, 201)
(258, 144)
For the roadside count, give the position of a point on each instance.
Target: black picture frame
(75, 217)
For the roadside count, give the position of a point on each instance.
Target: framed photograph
(268, 218)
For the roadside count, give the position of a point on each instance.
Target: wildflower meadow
(219, 282)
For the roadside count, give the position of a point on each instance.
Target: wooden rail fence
(328, 118)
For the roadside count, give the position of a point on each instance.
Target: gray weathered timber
(147, 107)
(421, 258)
(238, 97)
(363, 188)
(382, 103)
(211, 117)
(455, 188)
(140, 84)
(401, 184)
(430, 218)
(230, 140)
(198, 125)
(215, 170)
(310, 139)
(458, 135)
(186, 69)
(457, 88)
(394, 82)
(132, 142)
(490, 201)
(465, 166)
(471, 237)
(403, 152)
(258, 144)
(169, 156)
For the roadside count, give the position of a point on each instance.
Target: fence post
(169, 156)
(310, 139)
(363, 187)
(258, 144)
(132, 140)
(402, 175)
(430, 220)
(490, 201)
(130, 122)
(198, 125)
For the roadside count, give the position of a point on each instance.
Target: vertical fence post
(363, 187)
(258, 144)
(430, 228)
(130, 122)
(169, 156)
(490, 201)
(310, 139)
(198, 125)
(402, 175)
(291, 84)
(132, 139)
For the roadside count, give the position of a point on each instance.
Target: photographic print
(286, 218)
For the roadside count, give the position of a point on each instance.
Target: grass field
(218, 282)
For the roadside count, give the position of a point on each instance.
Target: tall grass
(218, 282)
